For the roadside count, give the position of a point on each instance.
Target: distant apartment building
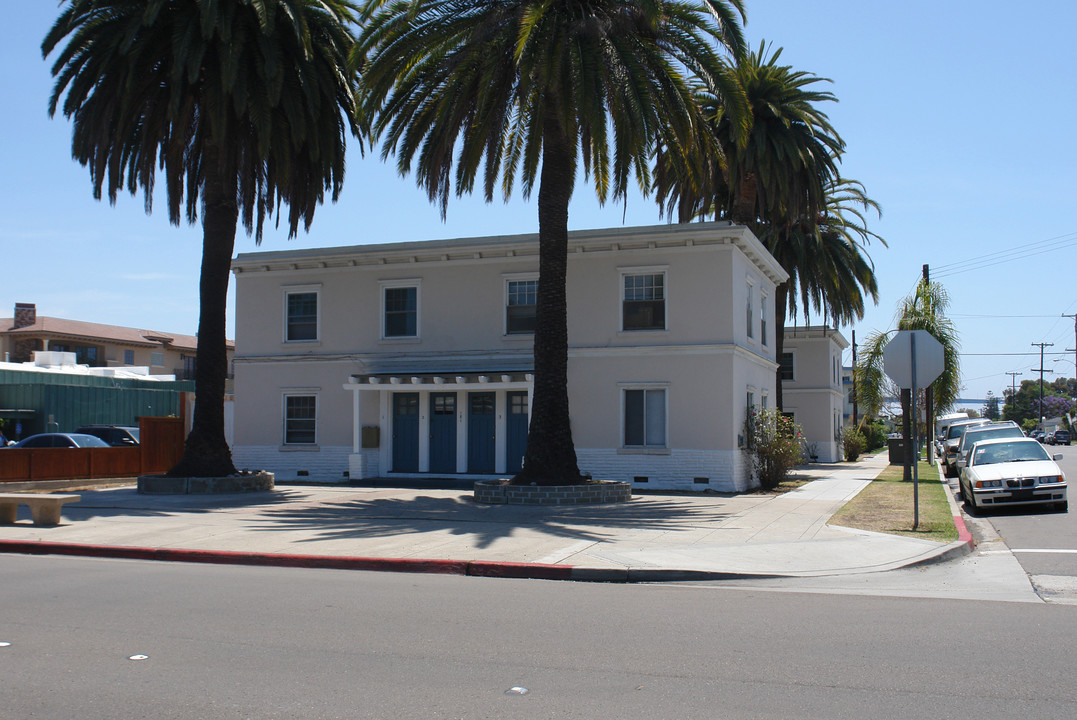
(98, 345)
(814, 387)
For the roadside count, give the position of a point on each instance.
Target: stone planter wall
(499, 492)
(164, 485)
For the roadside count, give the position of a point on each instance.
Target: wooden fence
(161, 447)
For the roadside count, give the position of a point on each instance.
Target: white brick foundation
(324, 465)
(724, 471)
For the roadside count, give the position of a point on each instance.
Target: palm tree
(244, 105)
(829, 269)
(529, 86)
(783, 183)
(775, 174)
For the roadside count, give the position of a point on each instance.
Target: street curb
(472, 568)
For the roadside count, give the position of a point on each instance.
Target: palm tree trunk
(206, 453)
(550, 458)
(781, 304)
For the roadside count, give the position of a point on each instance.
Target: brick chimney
(25, 314)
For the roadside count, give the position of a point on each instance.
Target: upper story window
(643, 300)
(128, 357)
(787, 366)
(520, 303)
(749, 315)
(300, 315)
(157, 359)
(400, 310)
(763, 318)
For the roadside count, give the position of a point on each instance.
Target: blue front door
(480, 432)
(443, 432)
(516, 431)
(405, 432)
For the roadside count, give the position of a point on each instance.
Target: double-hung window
(749, 316)
(300, 419)
(400, 310)
(787, 367)
(643, 300)
(520, 304)
(645, 418)
(763, 318)
(300, 315)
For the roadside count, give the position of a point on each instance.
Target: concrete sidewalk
(654, 537)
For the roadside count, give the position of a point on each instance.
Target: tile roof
(97, 331)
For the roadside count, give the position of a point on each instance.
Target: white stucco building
(813, 386)
(414, 359)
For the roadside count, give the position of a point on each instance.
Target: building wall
(703, 359)
(816, 395)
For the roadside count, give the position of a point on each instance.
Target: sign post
(910, 358)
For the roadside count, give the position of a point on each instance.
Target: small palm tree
(243, 104)
(925, 309)
(528, 87)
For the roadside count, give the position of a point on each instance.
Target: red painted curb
(534, 571)
(442, 567)
(963, 534)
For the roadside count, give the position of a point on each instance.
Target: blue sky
(957, 117)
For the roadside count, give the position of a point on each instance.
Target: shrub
(852, 443)
(874, 435)
(773, 445)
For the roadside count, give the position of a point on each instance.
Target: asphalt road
(1042, 540)
(95, 639)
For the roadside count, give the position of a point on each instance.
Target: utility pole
(1042, 369)
(1074, 351)
(854, 381)
(929, 401)
(1013, 391)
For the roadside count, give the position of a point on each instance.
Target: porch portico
(472, 424)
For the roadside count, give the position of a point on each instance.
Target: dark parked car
(114, 435)
(1059, 437)
(61, 440)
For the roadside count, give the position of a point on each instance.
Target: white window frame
(307, 289)
(763, 297)
(665, 446)
(385, 285)
(298, 392)
(622, 273)
(507, 280)
(749, 311)
(157, 358)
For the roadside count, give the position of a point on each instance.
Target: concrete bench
(44, 508)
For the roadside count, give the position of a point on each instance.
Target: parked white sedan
(1011, 471)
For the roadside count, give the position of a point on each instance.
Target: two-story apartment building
(813, 388)
(415, 358)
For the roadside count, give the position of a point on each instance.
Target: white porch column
(501, 426)
(424, 431)
(461, 431)
(386, 432)
(357, 428)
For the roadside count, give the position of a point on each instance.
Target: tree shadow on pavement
(127, 502)
(460, 516)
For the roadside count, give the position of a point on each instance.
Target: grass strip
(886, 506)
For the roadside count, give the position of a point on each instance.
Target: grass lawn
(886, 505)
